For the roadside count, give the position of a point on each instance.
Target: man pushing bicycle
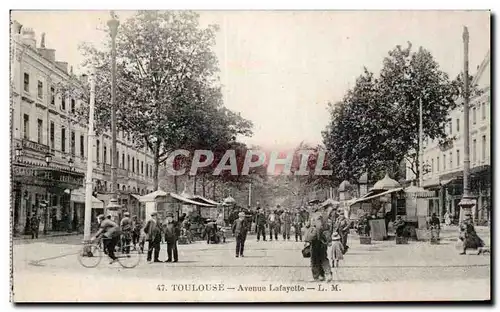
(111, 233)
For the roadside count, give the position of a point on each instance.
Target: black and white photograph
(250, 156)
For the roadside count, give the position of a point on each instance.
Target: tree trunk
(156, 166)
(203, 185)
(194, 185)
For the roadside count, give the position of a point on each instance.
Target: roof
(152, 196)
(205, 200)
(368, 198)
(386, 184)
(188, 201)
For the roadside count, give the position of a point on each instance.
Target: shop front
(40, 191)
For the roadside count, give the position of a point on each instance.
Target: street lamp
(113, 24)
(48, 159)
(71, 164)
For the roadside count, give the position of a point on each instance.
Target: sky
(281, 68)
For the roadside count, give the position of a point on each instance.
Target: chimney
(15, 28)
(29, 37)
(48, 54)
(63, 66)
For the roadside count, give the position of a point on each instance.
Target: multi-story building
(444, 163)
(49, 145)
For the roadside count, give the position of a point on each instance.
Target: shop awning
(368, 198)
(189, 201)
(78, 196)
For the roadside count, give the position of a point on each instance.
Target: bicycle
(92, 253)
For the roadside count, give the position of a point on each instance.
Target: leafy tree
(167, 84)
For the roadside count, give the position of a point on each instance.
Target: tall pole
(90, 160)
(113, 205)
(466, 203)
(250, 195)
(420, 146)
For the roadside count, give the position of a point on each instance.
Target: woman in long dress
(469, 237)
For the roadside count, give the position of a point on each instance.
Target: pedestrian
(342, 227)
(297, 225)
(435, 227)
(336, 250)
(399, 226)
(110, 232)
(153, 232)
(172, 233)
(240, 229)
(211, 231)
(260, 221)
(286, 223)
(318, 238)
(447, 218)
(186, 226)
(35, 225)
(273, 223)
(469, 237)
(126, 228)
(136, 230)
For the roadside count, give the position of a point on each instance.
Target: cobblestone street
(265, 262)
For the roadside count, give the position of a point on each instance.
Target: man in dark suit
(153, 232)
(240, 229)
(260, 223)
(172, 233)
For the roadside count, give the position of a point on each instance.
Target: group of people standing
(278, 223)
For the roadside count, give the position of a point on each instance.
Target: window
(26, 82)
(142, 167)
(458, 125)
(123, 161)
(444, 162)
(474, 149)
(105, 158)
(72, 106)
(474, 115)
(63, 103)
(26, 127)
(117, 160)
(451, 159)
(98, 150)
(137, 166)
(73, 143)
(63, 140)
(147, 170)
(483, 111)
(483, 148)
(52, 95)
(133, 164)
(432, 165)
(40, 89)
(450, 126)
(40, 130)
(52, 135)
(82, 146)
(128, 162)
(437, 164)
(458, 158)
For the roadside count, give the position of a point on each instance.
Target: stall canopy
(329, 202)
(152, 196)
(78, 196)
(380, 194)
(202, 199)
(188, 201)
(418, 192)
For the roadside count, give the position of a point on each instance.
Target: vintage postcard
(250, 156)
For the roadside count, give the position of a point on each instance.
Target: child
(336, 250)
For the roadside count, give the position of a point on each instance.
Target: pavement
(48, 269)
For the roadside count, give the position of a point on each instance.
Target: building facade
(444, 164)
(49, 147)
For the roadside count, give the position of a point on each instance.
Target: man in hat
(342, 227)
(35, 225)
(126, 228)
(111, 235)
(286, 223)
(297, 225)
(260, 222)
(240, 229)
(172, 233)
(273, 225)
(153, 233)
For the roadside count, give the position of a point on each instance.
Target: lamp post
(467, 201)
(113, 205)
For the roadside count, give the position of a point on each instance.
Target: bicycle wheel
(128, 259)
(90, 256)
